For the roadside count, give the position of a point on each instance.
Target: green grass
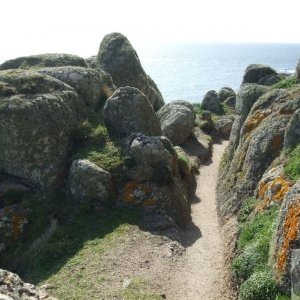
(93, 142)
(79, 226)
(260, 285)
(246, 208)
(286, 83)
(198, 109)
(292, 169)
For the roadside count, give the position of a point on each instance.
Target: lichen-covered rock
(261, 141)
(92, 86)
(292, 133)
(13, 288)
(230, 101)
(223, 126)
(149, 154)
(183, 103)
(117, 57)
(129, 111)
(246, 97)
(255, 72)
(288, 232)
(37, 116)
(211, 102)
(269, 79)
(225, 93)
(89, 182)
(91, 62)
(177, 122)
(44, 60)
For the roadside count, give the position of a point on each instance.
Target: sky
(77, 27)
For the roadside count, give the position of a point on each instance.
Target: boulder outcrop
(37, 116)
(298, 72)
(211, 102)
(13, 288)
(44, 60)
(177, 121)
(92, 86)
(88, 182)
(256, 72)
(129, 111)
(225, 93)
(117, 57)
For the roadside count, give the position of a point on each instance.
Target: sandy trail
(201, 273)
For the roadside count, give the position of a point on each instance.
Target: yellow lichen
(149, 202)
(254, 121)
(290, 233)
(129, 189)
(277, 189)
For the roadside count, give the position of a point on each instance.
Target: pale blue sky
(39, 26)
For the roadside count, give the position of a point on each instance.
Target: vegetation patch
(93, 142)
(286, 83)
(292, 169)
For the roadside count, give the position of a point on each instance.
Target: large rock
(117, 57)
(89, 182)
(269, 79)
(211, 102)
(223, 125)
(37, 116)
(225, 93)
(260, 143)
(177, 122)
(246, 97)
(255, 72)
(13, 288)
(129, 111)
(230, 101)
(287, 233)
(44, 60)
(292, 133)
(150, 153)
(93, 86)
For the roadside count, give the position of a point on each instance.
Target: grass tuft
(292, 169)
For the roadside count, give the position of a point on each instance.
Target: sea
(187, 71)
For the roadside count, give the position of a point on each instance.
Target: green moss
(260, 285)
(207, 126)
(259, 229)
(286, 83)
(184, 163)
(292, 169)
(93, 142)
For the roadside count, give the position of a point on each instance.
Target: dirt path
(201, 274)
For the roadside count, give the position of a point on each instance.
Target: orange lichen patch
(272, 191)
(291, 232)
(149, 202)
(254, 121)
(129, 197)
(277, 143)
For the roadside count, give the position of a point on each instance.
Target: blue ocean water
(188, 71)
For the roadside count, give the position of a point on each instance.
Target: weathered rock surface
(93, 86)
(150, 154)
(230, 101)
(260, 142)
(298, 72)
(198, 145)
(211, 102)
(44, 60)
(37, 116)
(255, 72)
(117, 57)
(269, 79)
(13, 288)
(246, 97)
(223, 126)
(89, 182)
(177, 122)
(292, 133)
(225, 93)
(287, 232)
(91, 62)
(129, 111)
